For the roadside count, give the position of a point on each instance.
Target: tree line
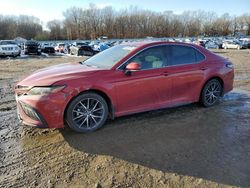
(132, 22)
(19, 26)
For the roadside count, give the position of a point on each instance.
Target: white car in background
(231, 45)
(9, 48)
(60, 47)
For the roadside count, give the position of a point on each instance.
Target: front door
(146, 89)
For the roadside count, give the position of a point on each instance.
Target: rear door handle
(165, 74)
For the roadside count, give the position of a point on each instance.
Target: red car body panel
(142, 91)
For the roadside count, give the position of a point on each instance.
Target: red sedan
(125, 79)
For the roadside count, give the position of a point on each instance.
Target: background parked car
(9, 48)
(32, 47)
(60, 47)
(245, 44)
(47, 48)
(231, 45)
(211, 45)
(200, 43)
(101, 47)
(80, 48)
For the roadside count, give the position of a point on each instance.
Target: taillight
(229, 65)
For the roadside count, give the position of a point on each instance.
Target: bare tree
(246, 18)
(56, 29)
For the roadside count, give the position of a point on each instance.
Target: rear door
(187, 72)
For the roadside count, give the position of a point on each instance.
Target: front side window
(152, 58)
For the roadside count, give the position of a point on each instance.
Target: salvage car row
(12, 48)
(89, 48)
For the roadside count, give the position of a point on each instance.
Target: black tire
(211, 93)
(87, 112)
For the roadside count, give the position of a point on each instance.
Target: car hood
(50, 75)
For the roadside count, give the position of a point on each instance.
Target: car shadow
(209, 143)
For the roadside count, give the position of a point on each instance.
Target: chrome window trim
(185, 45)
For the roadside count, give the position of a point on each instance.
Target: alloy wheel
(212, 92)
(88, 113)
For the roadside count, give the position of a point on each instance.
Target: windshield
(108, 58)
(7, 42)
(80, 44)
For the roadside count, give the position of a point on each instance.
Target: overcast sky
(47, 10)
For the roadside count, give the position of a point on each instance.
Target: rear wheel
(211, 93)
(87, 112)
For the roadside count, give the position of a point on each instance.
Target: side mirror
(132, 67)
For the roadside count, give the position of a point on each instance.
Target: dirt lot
(187, 146)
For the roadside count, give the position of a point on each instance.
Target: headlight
(45, 90)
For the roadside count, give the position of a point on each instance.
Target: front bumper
(32, 50)
(228, 80)
(9, 53)
(42, 111)
(30, 116)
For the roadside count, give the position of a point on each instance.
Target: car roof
(152, 43)
(8, 40)
(31, 42)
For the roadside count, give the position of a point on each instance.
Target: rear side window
(180, 55)
(199, 56)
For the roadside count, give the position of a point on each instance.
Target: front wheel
(211, 93)
(87, 112)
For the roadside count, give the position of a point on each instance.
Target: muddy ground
(187, 146)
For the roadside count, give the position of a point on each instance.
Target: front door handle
(203, 68)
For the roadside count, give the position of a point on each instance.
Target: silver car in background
(231, 45)
(9, 48)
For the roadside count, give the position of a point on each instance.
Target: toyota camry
(122, 80)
